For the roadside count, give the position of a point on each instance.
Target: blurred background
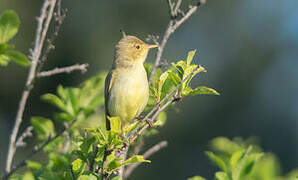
(249, 48)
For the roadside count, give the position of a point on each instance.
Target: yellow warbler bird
(126, 85)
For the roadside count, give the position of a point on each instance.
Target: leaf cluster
(243, 160)
(9, 25)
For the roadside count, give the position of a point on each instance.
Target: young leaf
(9, 25)
(161, 81)
(87, 177)
(4, 60)
(33, 165)
(221, 176)
(56, 101)
(44, 127)
(190, 56)
(18, 58)
(217, 160)
(203, 90)
(134, 159)
(3, 48)
(236, 157)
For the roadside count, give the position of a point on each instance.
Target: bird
(126, 85)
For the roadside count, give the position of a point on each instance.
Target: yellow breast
(129, 93)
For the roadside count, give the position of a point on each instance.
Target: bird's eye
(138, 47)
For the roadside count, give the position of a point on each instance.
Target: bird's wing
(108, 85)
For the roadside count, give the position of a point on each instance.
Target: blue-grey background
(249, 48)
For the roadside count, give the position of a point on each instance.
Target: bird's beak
(152, 46)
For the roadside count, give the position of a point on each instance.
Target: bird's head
(132, 49)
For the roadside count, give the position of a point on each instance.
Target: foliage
(85, 148)
(9, 25)
(244, 160)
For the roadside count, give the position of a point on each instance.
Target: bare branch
(68, 69)
(37, 150)
(173, 24)
(147, 154)
(178, 4)
(27, 133)
(59, 16)
(42, 28)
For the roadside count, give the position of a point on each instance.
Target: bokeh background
(249, 48)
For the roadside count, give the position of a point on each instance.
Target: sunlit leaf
(43, 127)
(4, 60)
(221, 176)
(18, 58)
(56, 101)
(190, 56)
(33, 165)
(9, 25)
(217, 160)
(203, 90)
(236, 157)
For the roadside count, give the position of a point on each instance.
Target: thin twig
(105, 155)
(59, 16)
(173, 24)
(27, 133)
(68, 69)
(147, 154)
(44, 19)
(36, 150)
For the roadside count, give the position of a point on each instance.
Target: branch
(42, 28)
(156, 110)
(173, 24)
(36, 150)
(147, 154)
(27, 133)
(68, 69)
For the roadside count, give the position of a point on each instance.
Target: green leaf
(43, 127)
(196, 178)
(217, 160)
(117, 178)
(161, 81)
(28, 176)
(76, 164)
(161, 119)
(221, 176)
(203, 90)
(115, 124)
(74, 99)
(236, 157)
(3, 48)
(4, 60)
(33, 165)
(190, 56)
(56, 101)
(18, 58)
(174, 78)
(87, 177)
(135, 159)
(62, 92)
(9, 25)
(249, 164)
